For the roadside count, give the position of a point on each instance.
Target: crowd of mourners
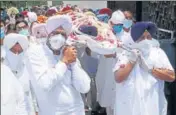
(43, 73)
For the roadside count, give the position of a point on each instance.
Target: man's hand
(110, 56)
(164, 74)
(156, 72)
(36, 113)
(69, 54)
(133, 55)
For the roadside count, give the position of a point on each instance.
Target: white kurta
(24, 78)
(105, 82)
(12, 95)
(57, 86)
(141, 93)
(126, 38)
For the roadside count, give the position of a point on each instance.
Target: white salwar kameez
(12, 95)
(141, 93)
(105, 82)
(24, 78)
(57, 86)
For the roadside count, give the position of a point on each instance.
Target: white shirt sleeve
(52, 76)
(163, 61)
(47, 77)
(122, 60)
(13, 97)
(21, 103)
(81, 80)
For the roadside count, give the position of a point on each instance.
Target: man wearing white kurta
(12, 94)
(140, 75)
(15, 47)
(58, 76)
(105, 77)
(127, 24)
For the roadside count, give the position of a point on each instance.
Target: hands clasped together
(69, 55)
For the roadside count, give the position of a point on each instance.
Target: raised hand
(69, 54)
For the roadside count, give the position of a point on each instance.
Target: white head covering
(54, 8)
(39, 30)
(117, 17)
(11, 39)
(32, 16)
(55, 22)
(14, 61)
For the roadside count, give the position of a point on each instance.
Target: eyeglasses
(58, 31)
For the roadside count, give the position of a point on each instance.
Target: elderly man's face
(146, 35)
(16, 49)
(58, 31)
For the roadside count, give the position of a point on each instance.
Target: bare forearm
(163, 74)
(123, 72)
(110, 56)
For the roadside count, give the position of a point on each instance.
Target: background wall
(163, 13)
(88, 4)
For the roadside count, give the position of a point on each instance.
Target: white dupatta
(141, 93)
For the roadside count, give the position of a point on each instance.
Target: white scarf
(14, 61)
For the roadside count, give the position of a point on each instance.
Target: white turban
(55, 22)
(117, 17)
(39, 30)
(11, 39)
(32, 16)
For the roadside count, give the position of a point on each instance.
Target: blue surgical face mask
(103, 17)
(127, 23)
(2, 33)
(24, 32)
(117, 28)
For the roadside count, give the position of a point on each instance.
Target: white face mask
(155, 43)
(15, 61)
(57, 41)
(42, 40)
(144, 46)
